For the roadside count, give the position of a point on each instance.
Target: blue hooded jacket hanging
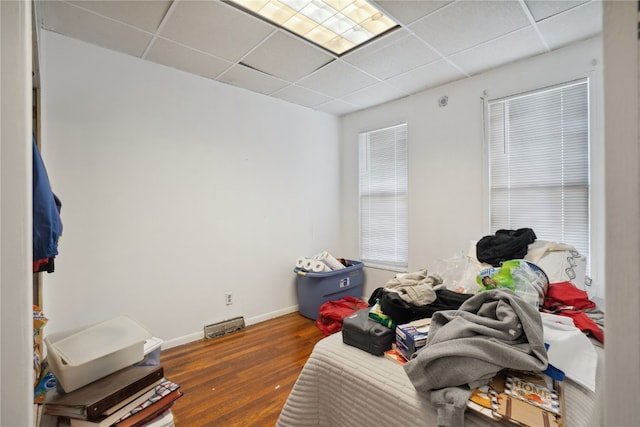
(47, 225)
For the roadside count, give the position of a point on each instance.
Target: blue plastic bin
(314, 289)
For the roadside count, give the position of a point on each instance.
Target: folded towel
(416, 288)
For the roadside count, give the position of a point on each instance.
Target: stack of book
(521, 398)
(394, 355)
(135, 396)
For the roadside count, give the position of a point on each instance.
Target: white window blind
(539, 164)
(383, 183)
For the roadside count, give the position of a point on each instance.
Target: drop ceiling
(436, 42)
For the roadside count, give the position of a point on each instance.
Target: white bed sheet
(343, 386)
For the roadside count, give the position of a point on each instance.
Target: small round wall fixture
(443, 101)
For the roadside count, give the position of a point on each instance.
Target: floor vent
(225, 327)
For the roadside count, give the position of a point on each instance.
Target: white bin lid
(100, 340)
(152, 344)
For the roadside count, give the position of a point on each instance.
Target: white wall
(16, 320)
(447, 179)
(175, 189)
(622, 364)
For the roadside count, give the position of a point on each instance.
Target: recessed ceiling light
(335, 25)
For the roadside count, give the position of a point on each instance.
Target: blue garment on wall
(47, 224)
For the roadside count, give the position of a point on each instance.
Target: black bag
(360, 331)
(402, 312)
(504, 245)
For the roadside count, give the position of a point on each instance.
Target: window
(539, 163)
(384, 235)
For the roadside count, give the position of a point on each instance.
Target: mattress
(343, 386)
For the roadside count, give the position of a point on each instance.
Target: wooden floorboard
(241, 379)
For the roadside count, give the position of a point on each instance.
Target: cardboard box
(83, 355)
(411, 337)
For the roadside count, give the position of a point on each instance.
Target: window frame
(401, 260)
(592, 246)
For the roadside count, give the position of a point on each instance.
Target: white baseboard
(195, 336)
(272, 315)
(185, 339)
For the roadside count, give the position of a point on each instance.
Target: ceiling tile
(374, 95)
(186, 59)
(212, 27)
(337, 107)
(337, 79)
(287, 57)
(302, 96)
(427, 76)
(464, 24)
(512, 47)
(407, 12)
(248, 78)
(579, 23)
(390, 59)
(218, 41)
(146, 15)
(69, 20)
(542, 9)
(378, 43)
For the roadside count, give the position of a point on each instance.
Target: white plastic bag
(458, 273)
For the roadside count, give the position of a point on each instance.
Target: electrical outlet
(228, 298)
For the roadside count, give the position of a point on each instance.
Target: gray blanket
(491, 331)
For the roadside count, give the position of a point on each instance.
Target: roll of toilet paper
(318, 266)
(308, 264)
(329, 260)
(300, 262)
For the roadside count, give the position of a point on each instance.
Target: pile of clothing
(491, 331)
(475, 335)
(416, 295)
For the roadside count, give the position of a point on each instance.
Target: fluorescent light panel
(336, 25)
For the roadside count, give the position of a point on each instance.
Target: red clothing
(565, 299)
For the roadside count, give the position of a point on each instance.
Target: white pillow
(561, 262)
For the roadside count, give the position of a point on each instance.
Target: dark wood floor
(241, 379)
